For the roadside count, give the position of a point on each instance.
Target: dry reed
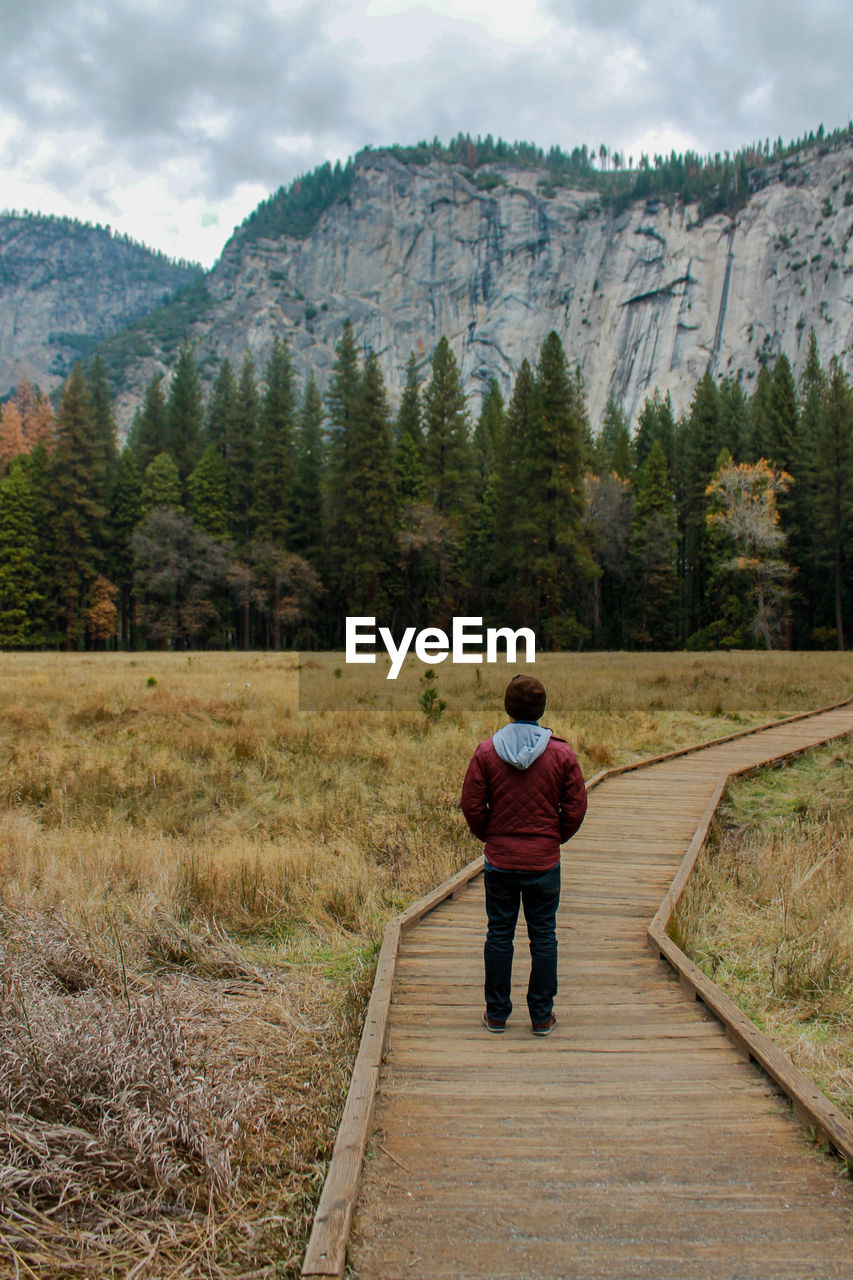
(166, 1101)
(769, 911)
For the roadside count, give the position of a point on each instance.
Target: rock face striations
(64, 287)
(648, 297)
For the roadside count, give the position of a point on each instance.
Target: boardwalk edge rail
(325, 1256)
(830, 1126)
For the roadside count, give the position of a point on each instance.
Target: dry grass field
(769, 912)
(195, 873)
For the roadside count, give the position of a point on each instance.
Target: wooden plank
(326, 1252)
(431, 1055)
(430, 901)
(812, 1106)
(714, 742)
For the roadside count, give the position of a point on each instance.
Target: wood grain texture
(636, 1140)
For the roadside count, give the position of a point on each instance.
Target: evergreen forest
(262, 514)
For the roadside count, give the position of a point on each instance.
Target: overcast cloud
(172, 120)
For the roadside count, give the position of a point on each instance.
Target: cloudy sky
(171, 119)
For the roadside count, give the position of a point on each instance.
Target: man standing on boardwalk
(523, 795)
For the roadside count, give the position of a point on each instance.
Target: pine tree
(342, 402)
(654, 549)
(409, 439)
(208, 494)
(834, 466)
(812, 391)
(148, 434)
(409, 471)
(102, 416)
(622, 459)
(107, 442)
(612, 449)
(77, 475)
(184, 414)
(448, 458)
(656, 422)
(240, 455)
(488, 435)
(21, 600)
(221, 410)
(759, 413)
(607, 528)
(805, 542)
(161, 484)
(369, 501)
(240, 472)
(307, 531)
(702, 442)
(342, 405)
(779, 424)
(125, 514)
(275, 449)
(409, 416)
(448, 463)
(488, 445)
(39, 467)
(551, 477)
(513, 589)
(734, 418)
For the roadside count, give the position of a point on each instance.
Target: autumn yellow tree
(40, 424)
(102, 614)
(11, 434)
(743, 513)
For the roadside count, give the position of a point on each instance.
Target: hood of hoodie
(521, 742)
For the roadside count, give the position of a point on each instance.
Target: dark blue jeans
(538, 892)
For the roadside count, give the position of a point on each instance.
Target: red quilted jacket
(524, 815)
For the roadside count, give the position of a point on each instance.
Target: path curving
(632, 1144)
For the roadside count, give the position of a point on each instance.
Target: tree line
(718, 182)
(265, 513)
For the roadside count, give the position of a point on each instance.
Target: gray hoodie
(521, 742)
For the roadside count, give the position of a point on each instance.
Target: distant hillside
(65, 286)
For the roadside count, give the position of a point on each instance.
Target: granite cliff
(651, 296)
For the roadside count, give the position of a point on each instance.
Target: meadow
(195, 876)
(769, 911)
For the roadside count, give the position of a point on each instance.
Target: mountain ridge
(644, 292)
(647, 296)
(66, 285)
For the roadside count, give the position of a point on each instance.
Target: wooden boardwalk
(634, 1142)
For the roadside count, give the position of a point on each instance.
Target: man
(523, 795)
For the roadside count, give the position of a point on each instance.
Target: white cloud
(151, 115)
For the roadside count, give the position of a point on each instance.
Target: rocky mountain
(65, 287)
(648, 296)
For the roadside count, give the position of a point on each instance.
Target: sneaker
(491, 1024)
(544, 1028)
